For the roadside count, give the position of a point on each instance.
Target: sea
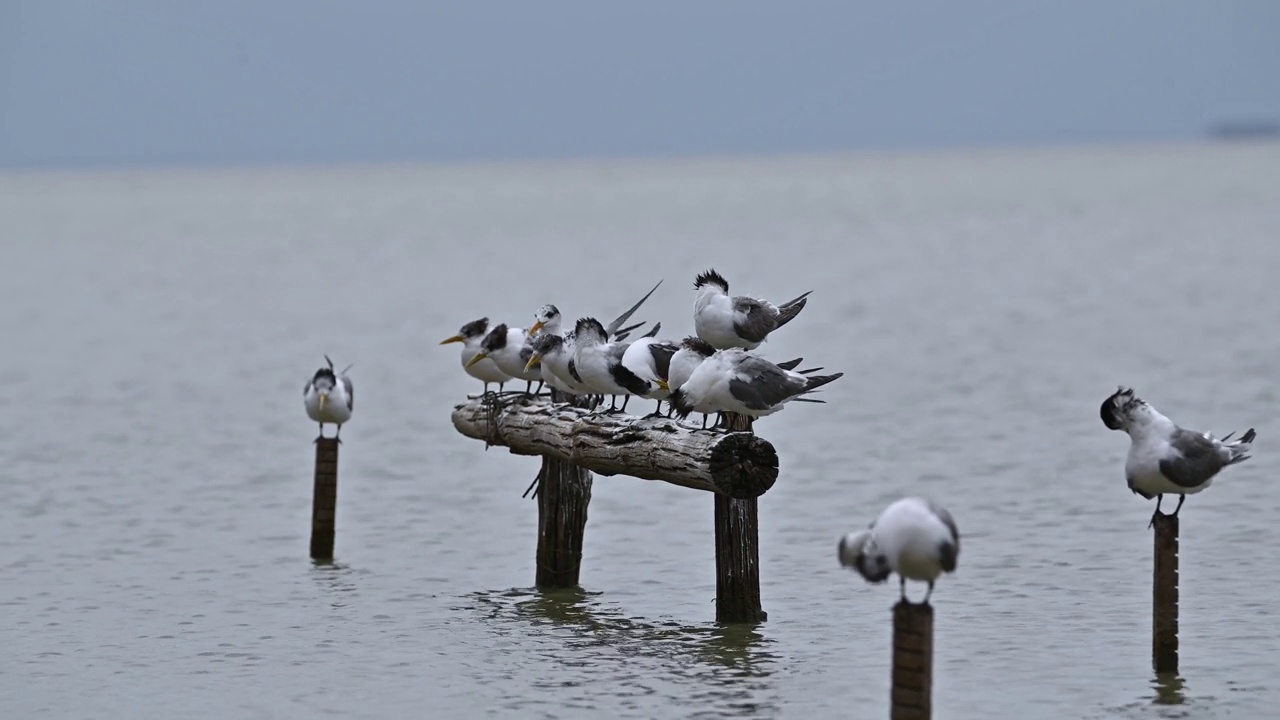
(158, 327)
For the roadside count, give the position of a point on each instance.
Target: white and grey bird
(913, 537)
(648, 362)
(743, 322)
(554, 353)
(1164, 458)
(329, 397)
(486, 370)
(599, 362)
(690, 354)
(736, 381)
(510, 350)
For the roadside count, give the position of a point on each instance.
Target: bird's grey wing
(615, 350)
(351, 393)
(662, 352)
(759, 384)
(947, 520)
(754, 320)
(1197, 461)
(617, 323)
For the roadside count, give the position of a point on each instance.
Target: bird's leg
(704, 421)
(321, 436)
(338, 432)
(1157, 512)
(1181, 498)
(928, 594)
(625, 399)
(902, 587)
(539, 390)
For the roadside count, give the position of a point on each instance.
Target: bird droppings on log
(734, 464)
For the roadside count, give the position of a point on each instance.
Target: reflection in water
(728, 665)
(1168, 687)
(335, 580)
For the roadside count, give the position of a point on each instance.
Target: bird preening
(913, 537)
(329, 397)
(1165, 458)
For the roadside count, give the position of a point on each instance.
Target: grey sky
(94, 82)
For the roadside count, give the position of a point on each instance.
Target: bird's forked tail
(1240, 448)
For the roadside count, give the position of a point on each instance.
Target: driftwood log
(733, 464)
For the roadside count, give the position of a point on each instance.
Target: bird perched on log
(599, 361)
(735, 381)
(1164, 458)
(329, 398)
(486, 370)
(510, 349)
(647, 363)
(913, 537)
(744, 322)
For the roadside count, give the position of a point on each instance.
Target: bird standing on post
(329, 398)
(914, 537)
(1164, 458)
(729, 322)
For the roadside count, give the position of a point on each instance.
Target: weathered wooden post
(738, 550)
(911, 696)
(1164, 635)
(573, 443)
(324, 504)
(564, 492)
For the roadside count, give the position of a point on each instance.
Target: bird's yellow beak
(455, 338)
(324, 400)
(479, 356)
(535, 327)
(663, 384)
(537, 358)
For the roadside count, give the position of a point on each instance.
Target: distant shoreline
(1245, 129)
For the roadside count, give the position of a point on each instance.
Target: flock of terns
(714, 371)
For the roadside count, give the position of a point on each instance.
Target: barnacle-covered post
(738, 550)
(912, 674)
(1164, 631)
(564, 492)
(324, 504)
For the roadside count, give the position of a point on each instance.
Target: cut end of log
(743, 466)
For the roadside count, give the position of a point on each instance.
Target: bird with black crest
(329, 397)
(740, 321)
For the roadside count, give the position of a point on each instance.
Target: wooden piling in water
(738, 550)
(1164, 630)
(564, 492)
(911, 696)
(324, 504)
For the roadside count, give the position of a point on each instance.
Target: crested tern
(913, 537)
(1165, 458)
(744, 322)
(486, 370)
(329, 397)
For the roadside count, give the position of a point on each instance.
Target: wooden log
(324, 503)
(738, 551)
(1164, 631)
(735, 464)
(912, 674)
(564, 492)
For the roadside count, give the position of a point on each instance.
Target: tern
(914, 537)
(1164, 458)
(329, 398)
(743, 322)
(486, 370)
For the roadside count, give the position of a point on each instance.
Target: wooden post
(324, 505)
(1164, 635)
(564, 492)
(911, 697)
(738, 551)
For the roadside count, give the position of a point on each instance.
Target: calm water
(159, 326)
